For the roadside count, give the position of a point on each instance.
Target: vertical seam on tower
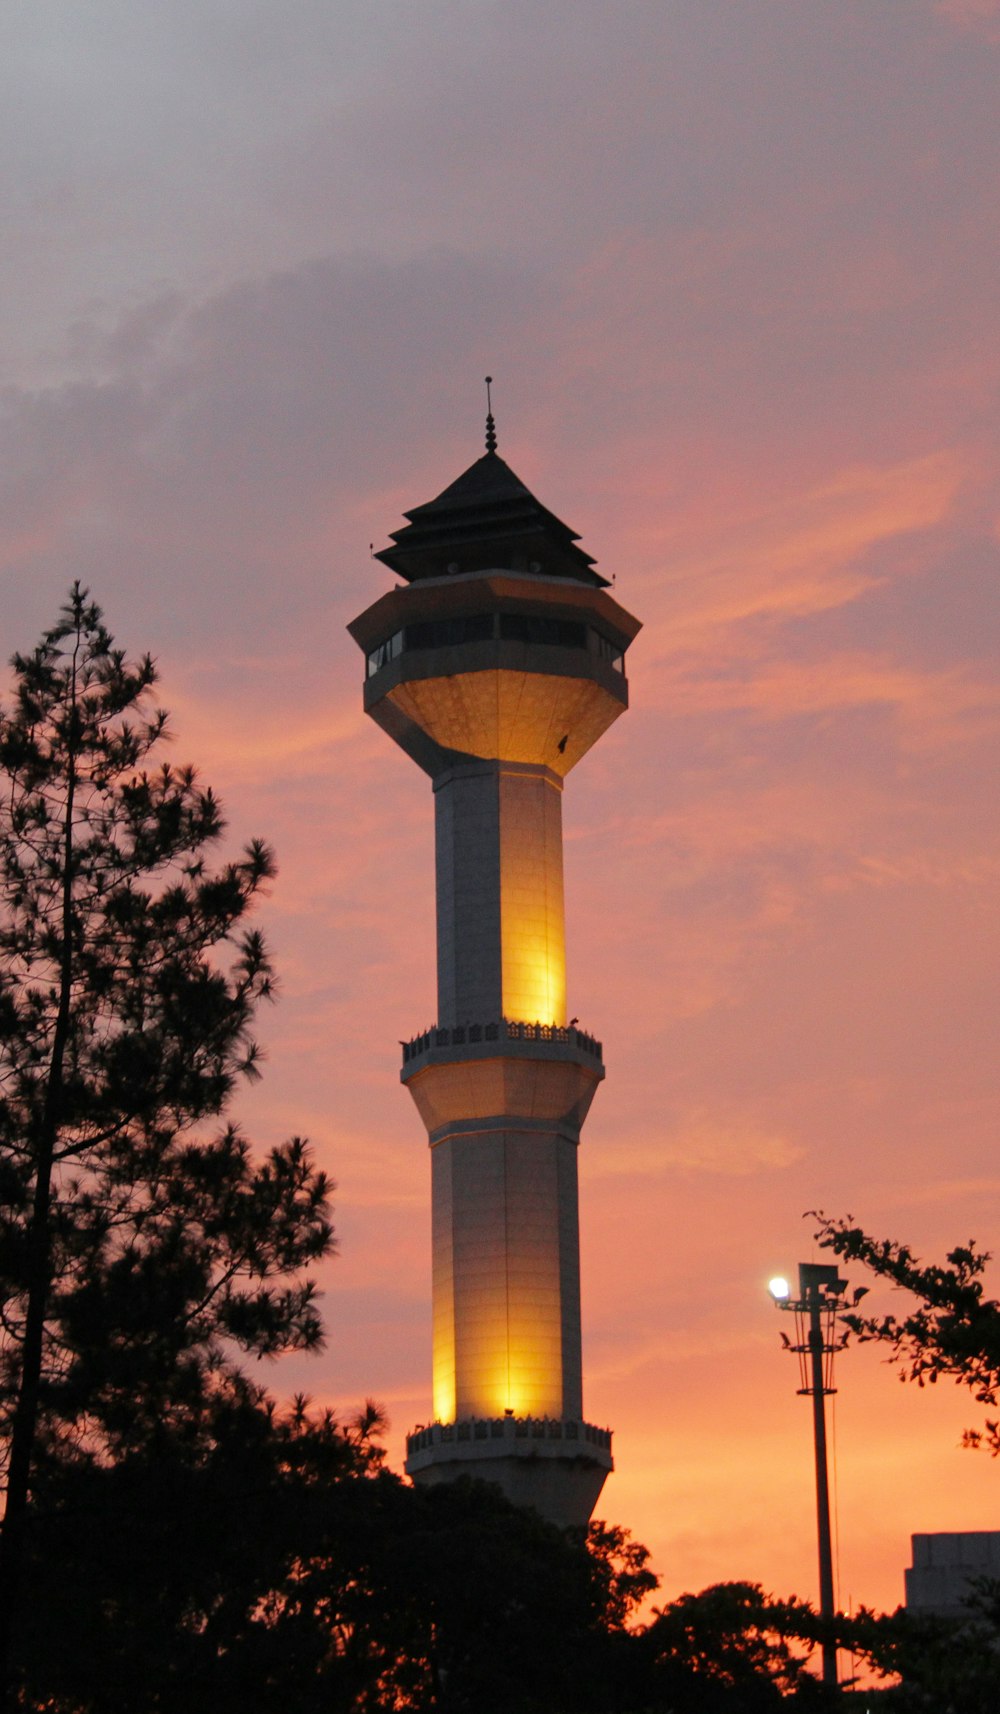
(506, 1269)
(454, 1283)
(546, 854)
(498, 787)
(500, 908)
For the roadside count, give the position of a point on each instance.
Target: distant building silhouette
(943, 1567)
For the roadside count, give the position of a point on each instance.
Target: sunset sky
(734, 267)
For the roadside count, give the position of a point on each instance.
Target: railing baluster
(507, 1029)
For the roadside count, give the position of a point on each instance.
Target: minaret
(496, 665)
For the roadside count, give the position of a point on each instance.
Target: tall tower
(495, 665)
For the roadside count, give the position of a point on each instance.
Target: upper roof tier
(487, 520)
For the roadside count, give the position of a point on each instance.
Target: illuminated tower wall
(496, 667)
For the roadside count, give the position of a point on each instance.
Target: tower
(496, 664)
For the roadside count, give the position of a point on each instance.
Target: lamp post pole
(817, 1351)
(820, 1295)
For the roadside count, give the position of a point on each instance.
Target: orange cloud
(264, 736)
(934, 708)
(803, 554)
(704, 1142)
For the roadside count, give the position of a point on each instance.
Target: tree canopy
(953, 1331)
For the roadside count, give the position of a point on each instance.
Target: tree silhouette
(954, 1331)
(138, 1260)
(734, 1647)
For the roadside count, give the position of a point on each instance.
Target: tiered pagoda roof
(487, 520)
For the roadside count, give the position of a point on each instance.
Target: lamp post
(821, 1292)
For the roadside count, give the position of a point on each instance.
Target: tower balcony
(485, 1040)
(557, 1465)
(469, 1074)
(532, 1436)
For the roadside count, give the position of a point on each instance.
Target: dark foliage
(942, 1665)
(285, 1568)
(734, 1646)
(139, 1261)
(954, 1331)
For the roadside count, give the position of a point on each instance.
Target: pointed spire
(483, 521)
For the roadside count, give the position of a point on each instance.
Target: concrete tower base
(558, 1467)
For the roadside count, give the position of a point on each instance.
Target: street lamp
(821, 1293)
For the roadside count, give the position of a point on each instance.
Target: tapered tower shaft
(501, 933)
(496, 669)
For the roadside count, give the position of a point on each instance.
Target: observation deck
(558, 1465)
(483, 1040)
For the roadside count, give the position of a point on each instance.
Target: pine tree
(141, 1261)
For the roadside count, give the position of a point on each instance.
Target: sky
(734, 267)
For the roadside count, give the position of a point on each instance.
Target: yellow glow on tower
(534, 1385)
(520, 1370)
(532, 933)
(534, 976)
(444, 1384)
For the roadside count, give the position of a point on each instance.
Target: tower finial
(491, 430)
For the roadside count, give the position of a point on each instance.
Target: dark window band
(488, 627)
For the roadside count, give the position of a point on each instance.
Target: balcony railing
(508, 1428)
(505, 1029)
